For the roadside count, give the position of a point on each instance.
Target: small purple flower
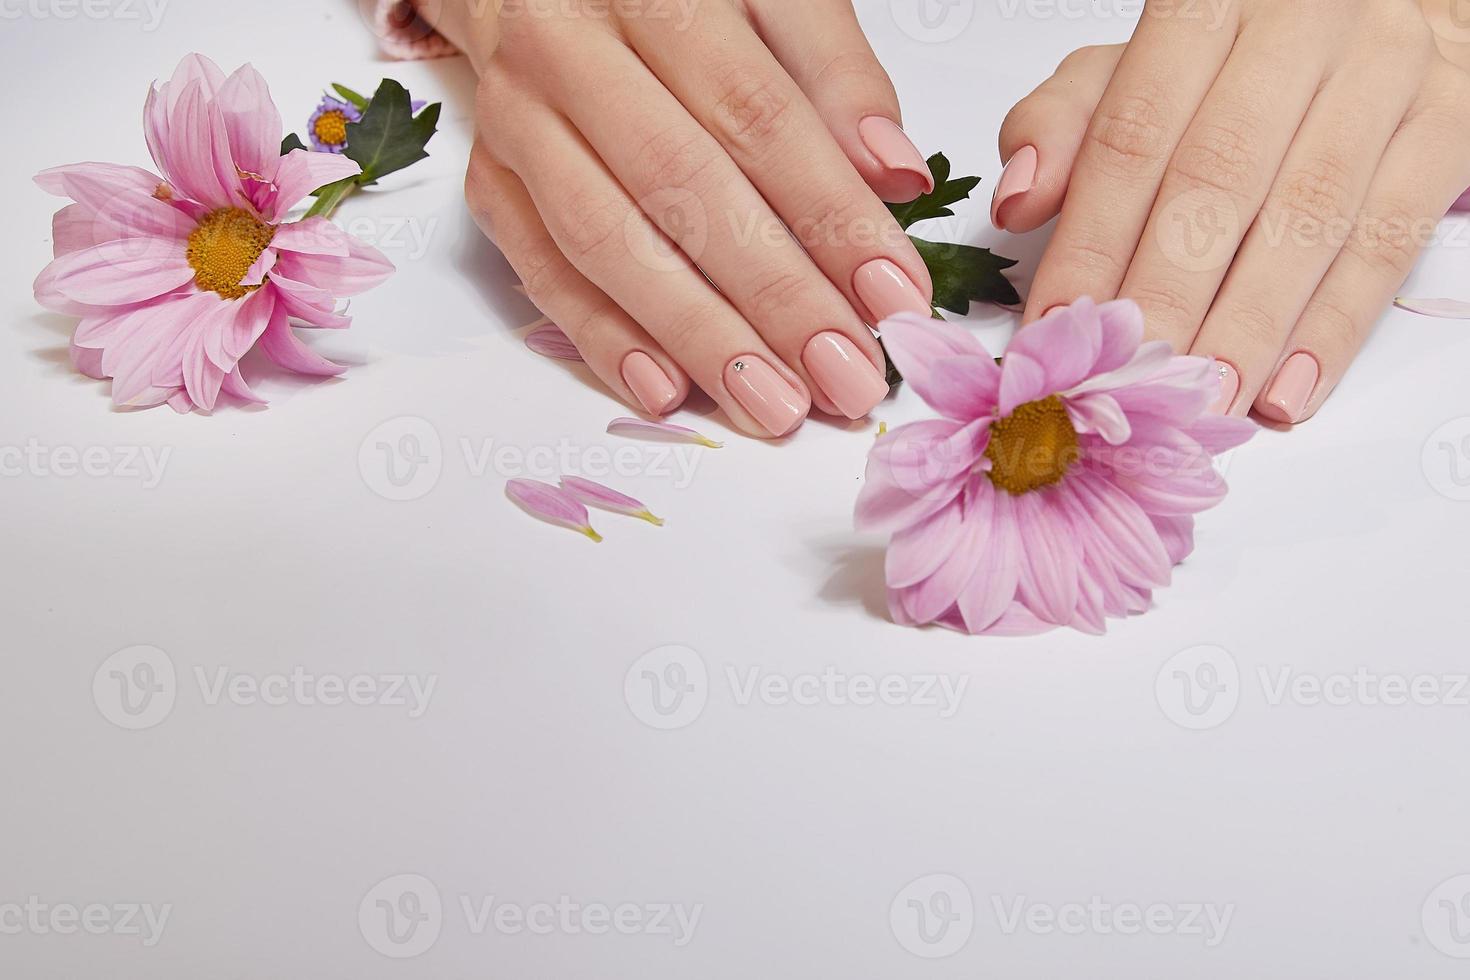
(328, 125)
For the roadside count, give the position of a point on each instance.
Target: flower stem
(330, 196)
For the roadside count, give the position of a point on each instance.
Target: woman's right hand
(639, 163)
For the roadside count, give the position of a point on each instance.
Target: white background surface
(1065, 773)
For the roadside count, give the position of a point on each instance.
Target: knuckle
(1386, 239)
(674, 157)
(752, 106)
(1129, 134)
(1313, 199)
(1253, 327)
(682, 330)
(1165, 303)
(1330, 322)
(588, 221)
(776, 294)
(1091, 259)
(837, 220)
(542, 271)
(1218, 157)
(859, 66)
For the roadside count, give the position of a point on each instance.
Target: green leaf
(389, 137)
(350, 95)
(291, 142)
(965, 273)
(936, 203)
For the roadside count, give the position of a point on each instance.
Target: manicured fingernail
(895, 150)
(886, 290)
(844, 374)
(1018, 177)
(649, 382)
(1229, 386)
(1287, 398)
(767, 396)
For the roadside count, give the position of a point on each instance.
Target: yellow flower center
(224, 247)
(1032, 447)
(331, 128)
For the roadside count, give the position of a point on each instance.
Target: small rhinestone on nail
(739, 366)
(1222, 371)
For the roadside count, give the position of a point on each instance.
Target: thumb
(1041, 135)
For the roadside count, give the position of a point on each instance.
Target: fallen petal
(1452, 309)
(551, 503)
(638, 428)
(548, 341)
(608, 499)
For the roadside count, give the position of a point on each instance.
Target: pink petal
(252, 122)
(992, 586)
(235, 386)
(551, 504)
(1219, 433)
(115, 273)
(1449, 309)
(135, 213)
(930, 599)
(361, 269)
(303, 171)
(1463, 204)
(917, 344)
(1122, 532)
(965, 387)
(74, 228)
(1066, 343)
(548, 341)
(918, 550)
(87, 360)
(1121, 324)
(1021, 380)
(1100, 414)
(196, 153)
(179, 402)
(315, 306)
(916, 469)
(607, 498)
(281, 345)
(312, 236)
(260, 268)
(1049, 557)
(660, 431)
(1177, 534)
(1017, 620)
(53, 181)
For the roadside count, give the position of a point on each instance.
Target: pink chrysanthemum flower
(177, 277)
(1057, 488)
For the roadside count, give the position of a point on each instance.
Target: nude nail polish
(1229, 387)
(886, 290)
(767, 396)
(1288, 395)
(1018, 177)
(886, 141)
(649, 383)
(844, 374)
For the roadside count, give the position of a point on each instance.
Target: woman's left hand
(1260, 175)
